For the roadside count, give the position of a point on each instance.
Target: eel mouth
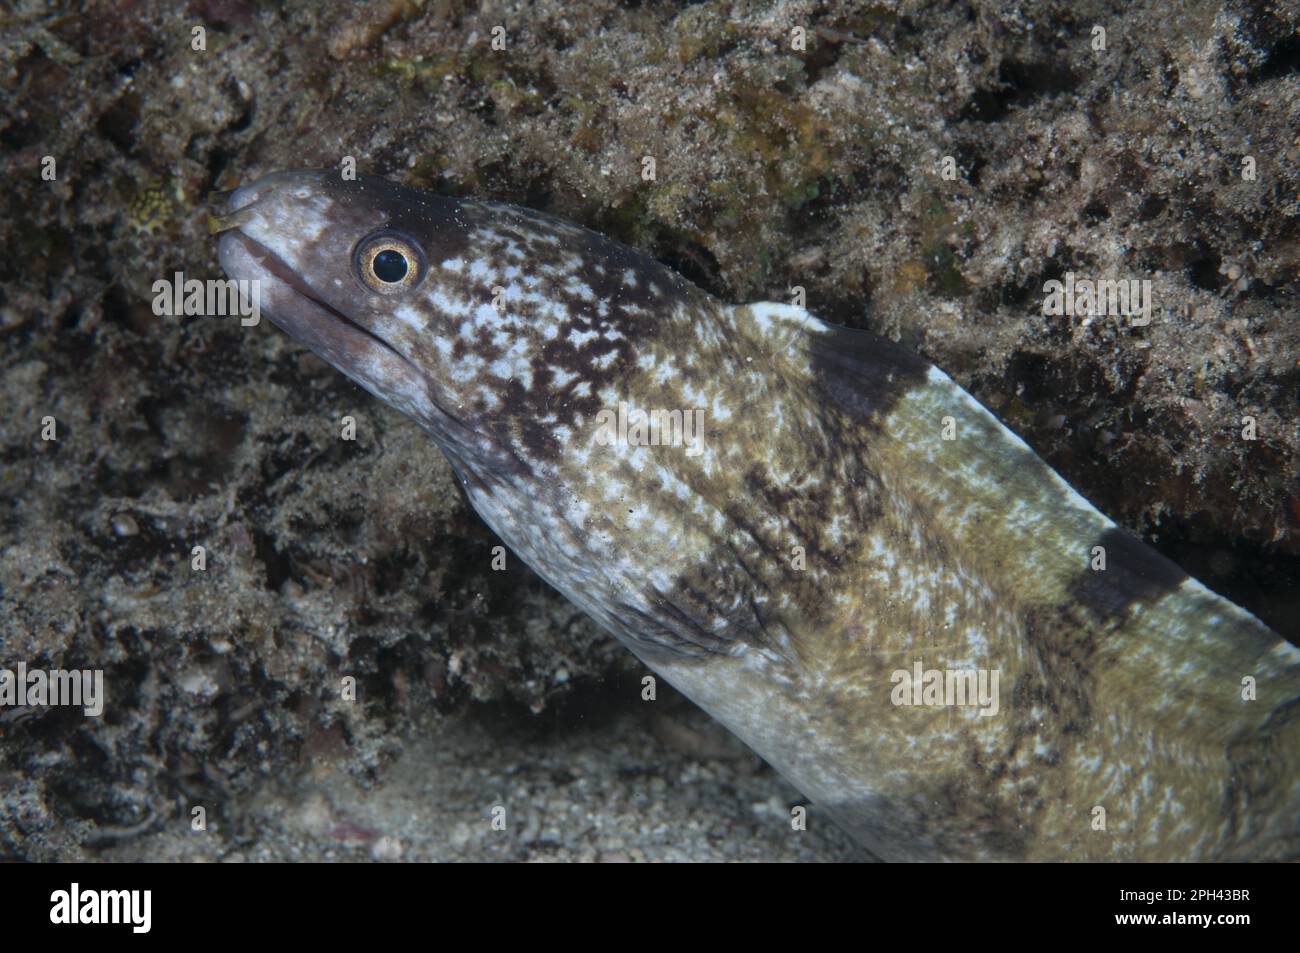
(329, 333)
(308, 327)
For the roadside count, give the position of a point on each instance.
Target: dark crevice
(1283, 59)
(1019, 84)
(1204, 272)
(117, 122)
(277, 563)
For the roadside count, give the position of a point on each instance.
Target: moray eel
(852, 564)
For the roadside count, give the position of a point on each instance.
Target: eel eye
(387, 263)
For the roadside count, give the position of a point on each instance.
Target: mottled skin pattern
(827, 536)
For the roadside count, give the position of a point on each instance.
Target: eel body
(837, 552)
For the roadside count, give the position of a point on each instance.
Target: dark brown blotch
(864, 374)
(1135, 573)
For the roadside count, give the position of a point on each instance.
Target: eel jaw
(342, 342)
(319, 314)
(332, 335)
